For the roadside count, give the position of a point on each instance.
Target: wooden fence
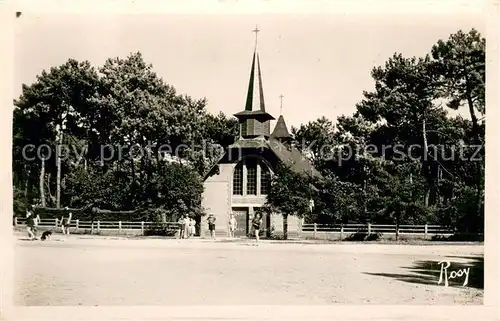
(102, 226)
(319, 230)
(312, 230)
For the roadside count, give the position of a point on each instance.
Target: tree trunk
(42, 189)
(52, 198)
(26, 183)
(426, 165)
(132, 190)
(58, 188)
(397, 228)
(285, 226)
(477, 140)
(411, 183)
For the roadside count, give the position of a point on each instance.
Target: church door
(241, 215)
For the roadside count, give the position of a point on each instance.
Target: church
(239, 182)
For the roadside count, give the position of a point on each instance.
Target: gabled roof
(292, 157)
(280, 130)
(289, 155)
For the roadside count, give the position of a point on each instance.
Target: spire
(280, 130)
(254, 120)
(255, 94)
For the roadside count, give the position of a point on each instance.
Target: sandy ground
(78, 270)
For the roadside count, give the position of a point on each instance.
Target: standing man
(30, 225)
(65, 222)
(211, 225)
(233, 225)
(181, 227)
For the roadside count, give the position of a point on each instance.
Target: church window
(238, 180)
(265, 179)
(251, 164)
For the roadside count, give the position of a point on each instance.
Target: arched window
(251, 177)
(238, 179)
(251, 164)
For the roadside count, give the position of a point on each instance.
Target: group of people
(33, 220)
(256, 225)
(187, 227)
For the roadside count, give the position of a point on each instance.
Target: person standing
(233, 225)
(30, 225)
(211, 225)
(192, 227)
(65, 223)
(185, 226)
(256, 224)
(36, 220)
(181, 227)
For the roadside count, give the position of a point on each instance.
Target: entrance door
(240, 214)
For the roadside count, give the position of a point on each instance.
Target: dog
(46, 235)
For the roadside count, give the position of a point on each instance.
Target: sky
(320, 63)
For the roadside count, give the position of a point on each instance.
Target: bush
(160, 230)
(364, 236)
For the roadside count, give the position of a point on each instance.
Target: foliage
(400, 158)
(102, 114)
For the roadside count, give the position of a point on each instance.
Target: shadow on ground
(428, 272)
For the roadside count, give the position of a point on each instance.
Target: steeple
(280, 131)
(254, 120)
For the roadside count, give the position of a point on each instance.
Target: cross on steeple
(281, 104)
(256, 30)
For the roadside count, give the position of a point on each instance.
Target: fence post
(15, 221)
(77, 222)
(92, 228)
(341, 232)
(315, 229)
(98, 226)
(425, 231)
(142, 227)
(55, 222)
(369, 228)
(119, 226)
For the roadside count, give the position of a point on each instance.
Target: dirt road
(97, 271)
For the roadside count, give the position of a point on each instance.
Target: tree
(58, 96)
(316, 139)
(107, 111)
(290, 194)
(460, 63)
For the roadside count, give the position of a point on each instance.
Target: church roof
(289, 155)
(292, 157)
(280, 130)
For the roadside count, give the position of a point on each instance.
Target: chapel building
(241, 179)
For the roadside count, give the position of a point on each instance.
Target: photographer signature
(446, 275)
